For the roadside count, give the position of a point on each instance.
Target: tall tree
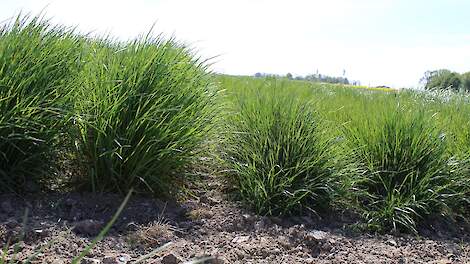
(441, 80)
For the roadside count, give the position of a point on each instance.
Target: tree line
(317, 77)
(444, 79)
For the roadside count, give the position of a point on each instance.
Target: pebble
(240, 239)
(391, 242)
(215, 261)
(318, 235)
(170, 259)
(260, 225)
(90, 261)
(88, 227)
(117, 259)
(208, 200)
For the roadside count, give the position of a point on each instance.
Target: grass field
(396, 157)
(135, 114)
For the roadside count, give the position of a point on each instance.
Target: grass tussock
(405, 170)
(142, 110)
(153, 235)
(36, 60)
(277, 151)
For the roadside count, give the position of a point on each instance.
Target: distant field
(316, 84)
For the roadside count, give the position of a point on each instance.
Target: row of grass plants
(135, 114)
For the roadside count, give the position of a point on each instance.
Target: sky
(378, 42)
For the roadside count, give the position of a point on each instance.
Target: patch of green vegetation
(397, 157)
(404, 169)
(277, 149)
(142, 110)
(36, 61)
(136, 113)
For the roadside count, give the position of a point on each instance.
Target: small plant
(277, 150)
(142, 110)
(405, 169)
(153, 235)
(35, 62)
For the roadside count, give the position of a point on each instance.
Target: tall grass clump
(142, 110)
(276, 149)
(36, 59)
(406, 172)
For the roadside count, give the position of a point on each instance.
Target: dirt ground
(59, 226)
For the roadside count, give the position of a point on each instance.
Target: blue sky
(377, 42)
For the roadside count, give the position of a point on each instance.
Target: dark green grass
(36, 59)
(142, 110)
(405, 171)
(277, 151)
(397, 158)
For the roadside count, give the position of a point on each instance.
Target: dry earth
(210, 224)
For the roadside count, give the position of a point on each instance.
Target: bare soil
(59, 226)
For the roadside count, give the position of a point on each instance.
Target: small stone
(240, 239)
(40, 233)
(240, 254)
(442, 261)
(318, 235)
(260, 225)
(310, 260)
(90, 261)
(88, 227)
(208, 200)
(248, 219)
(117, 259)
(326, 247)
(284, 242)
(124, 258)
(391, 242)
(170, 259)
(215, 261)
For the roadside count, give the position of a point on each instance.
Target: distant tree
(258, 75)
(441, 79)
(289, 76)
(466, 81)
(317, 77)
